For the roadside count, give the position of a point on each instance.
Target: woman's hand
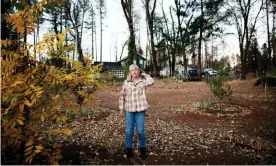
(148, 79)
(143, 74)
(122, 114)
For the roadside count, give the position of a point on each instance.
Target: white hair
(132, 66)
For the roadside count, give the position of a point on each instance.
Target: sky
(115, 30)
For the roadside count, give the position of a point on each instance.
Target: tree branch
(253, 28)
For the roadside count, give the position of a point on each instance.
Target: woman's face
(135, 72)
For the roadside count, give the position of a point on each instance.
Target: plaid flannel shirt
(133, 96)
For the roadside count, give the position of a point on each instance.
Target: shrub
(204, 105)
(218, 86)
(34, 92)
(271, 73)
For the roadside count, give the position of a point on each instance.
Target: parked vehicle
(193, 75)
(266, 80)
(165, 72)
(209, 72)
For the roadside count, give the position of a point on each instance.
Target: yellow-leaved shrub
(34, 92)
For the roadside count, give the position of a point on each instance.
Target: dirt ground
(177, 132)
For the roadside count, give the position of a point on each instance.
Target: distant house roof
(110, 65)
(126, 58)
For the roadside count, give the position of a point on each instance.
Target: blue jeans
(138, 119)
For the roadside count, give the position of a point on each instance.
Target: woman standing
(133, 105)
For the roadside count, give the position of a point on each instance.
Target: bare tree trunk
(256, 59)
(61, 24)
(37, 36)
(243, 29)
(206, 55)
(116, 48)
(183, 30)
(63, 62)
(212, 58)
(173, 44)
(81, 57)
(169, 57)
(148, 44)
(268, 36)
(274, 35)
(102, 11)
(123, 48)
(101, 29)
(82, 25)
(79, 49)
(242, 61)
(132, 53)
(34, 46)
(96, 49)
(25, 38)
(167, 43)
(180, 32)
(200, 40)
(74, 53)
(150, 17)
(93, 55)
(73, 14)
(67, 63)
